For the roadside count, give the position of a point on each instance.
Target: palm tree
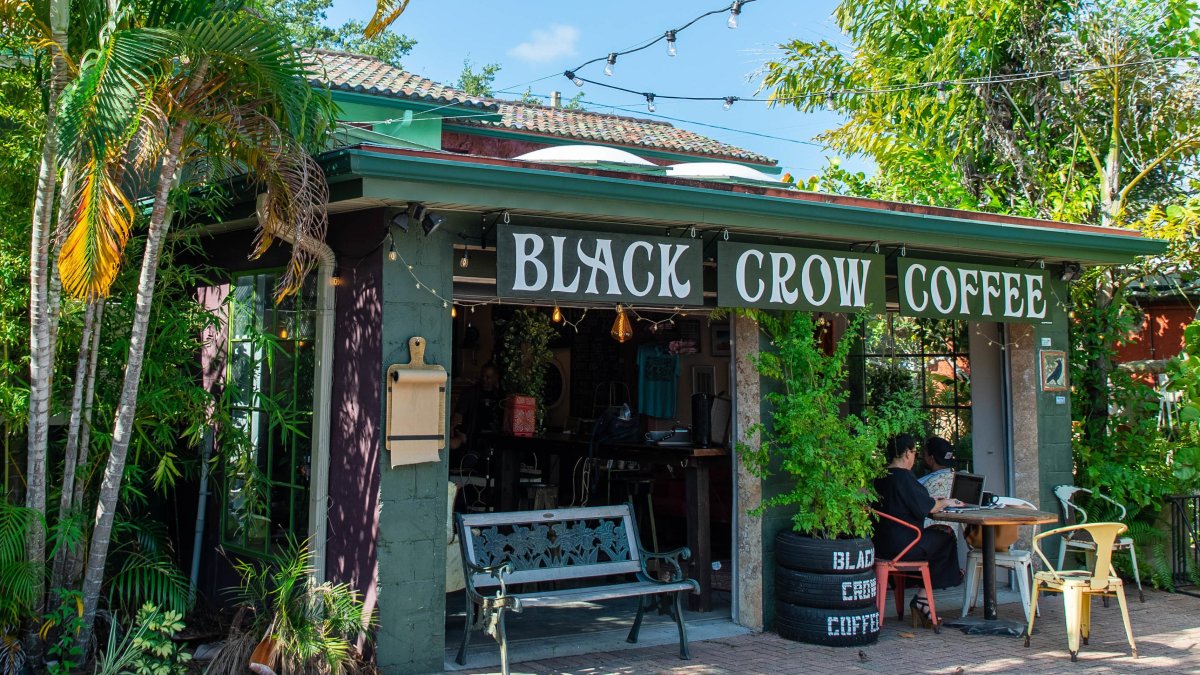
(185, 93)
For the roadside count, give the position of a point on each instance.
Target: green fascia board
(409, 104)
(773, 169)
(370, 136)
(491, 186)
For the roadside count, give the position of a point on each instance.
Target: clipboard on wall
(416, 408)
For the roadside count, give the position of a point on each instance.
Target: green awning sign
(942, 290)
(776, 277)
(557, 264)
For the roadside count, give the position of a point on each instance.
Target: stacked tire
(825, 590)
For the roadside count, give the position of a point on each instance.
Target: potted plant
(824, 580)
(525, 355)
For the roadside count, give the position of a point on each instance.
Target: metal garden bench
(591, 550)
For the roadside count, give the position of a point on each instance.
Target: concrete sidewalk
(1166, 627)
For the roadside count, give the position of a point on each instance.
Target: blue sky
(536, 40)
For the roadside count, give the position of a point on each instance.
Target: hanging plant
(525, 353)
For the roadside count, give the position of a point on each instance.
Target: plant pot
(824, 556)
(520, 415)
(266, 653)
(826, 591)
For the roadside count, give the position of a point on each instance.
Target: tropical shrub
(832, 457)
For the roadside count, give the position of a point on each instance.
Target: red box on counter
(520, 416)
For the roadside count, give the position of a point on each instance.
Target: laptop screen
(967, 488)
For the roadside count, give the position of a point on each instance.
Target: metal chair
(1078, 586)
(1072, 514)
(1019, 564)
(898, 570)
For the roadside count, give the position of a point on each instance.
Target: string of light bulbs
(1065, 77)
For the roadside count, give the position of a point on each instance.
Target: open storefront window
(927, 358)
(269, 386)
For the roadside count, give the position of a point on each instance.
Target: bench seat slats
(543, 516)
(609, 592)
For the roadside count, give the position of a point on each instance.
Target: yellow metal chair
(1078, 586)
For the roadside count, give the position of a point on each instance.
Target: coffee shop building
(451, 215)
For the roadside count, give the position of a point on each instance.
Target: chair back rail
(551, 545)
(900, 556)
(1104, 534)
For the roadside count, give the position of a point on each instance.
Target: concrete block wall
(412, 522)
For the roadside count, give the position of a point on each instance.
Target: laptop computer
(968, 489)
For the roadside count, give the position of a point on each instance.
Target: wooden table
(695, 463)
(989, 519)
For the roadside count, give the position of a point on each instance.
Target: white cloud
(547, 44)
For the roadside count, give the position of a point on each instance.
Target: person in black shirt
(900, 495)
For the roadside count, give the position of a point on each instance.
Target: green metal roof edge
(409, 104)
(555, 139)
(735, 209)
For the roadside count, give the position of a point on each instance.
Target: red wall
(1161, 333)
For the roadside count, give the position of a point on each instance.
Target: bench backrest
(551, 545)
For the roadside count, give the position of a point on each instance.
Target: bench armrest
(497, 572)
(673, 559)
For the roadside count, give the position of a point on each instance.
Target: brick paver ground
(1166, 627)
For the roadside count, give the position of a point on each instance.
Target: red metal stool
(898, 570)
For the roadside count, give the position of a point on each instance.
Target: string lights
(942, 88)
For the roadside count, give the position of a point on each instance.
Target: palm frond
(101, 220)
(145, 578)
(386, 13)
(98, 105)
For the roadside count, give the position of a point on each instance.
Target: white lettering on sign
(740, 276)
(826, 273)
(602, 261)
(779, 290)
(859, 590)
(846, 560)
(852, 282)
(1033, 289)
(1012, 291)
(559, 286)
(528, 247)
(801, 279)
(968, 289)
(948, 290)
(628, 268)
(848, 626)
(909, 287)
(991, 289)
(553, 263)
(672, 287)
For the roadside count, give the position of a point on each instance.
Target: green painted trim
(773, 169)
(497, 186)
(409, 104)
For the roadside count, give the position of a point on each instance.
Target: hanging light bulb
(570, 75)
(621, 329)
(650, 102)
(556, 316)
(734, 10)
(465, 261)
(454, 311)
(942, 94)
(392, 254)
(608, 65)
(729, 102)
(671, 51)
(1065, 83)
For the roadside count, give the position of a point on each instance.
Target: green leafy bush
(832, 457)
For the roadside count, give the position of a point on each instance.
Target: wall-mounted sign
(776, 277)
(1054, 370)
(557, 264)
(943, 290)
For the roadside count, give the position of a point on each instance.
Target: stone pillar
(1023, 379)
(749, 534)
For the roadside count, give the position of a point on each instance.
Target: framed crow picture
(1054, 370)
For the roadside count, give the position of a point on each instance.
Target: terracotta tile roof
(596, 127)
(368, 75)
